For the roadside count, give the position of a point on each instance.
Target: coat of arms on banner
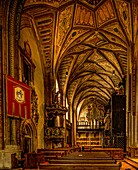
(19, 94)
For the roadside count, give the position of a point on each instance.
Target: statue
(107, 121)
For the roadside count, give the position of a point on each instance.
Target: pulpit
(55, 126)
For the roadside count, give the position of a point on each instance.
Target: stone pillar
(127, 128)
(133, 102)
(14, 142)
(129, 97)
(74, 129)
(1, 96)
(73, 139)
(64, 125)
(136, 128)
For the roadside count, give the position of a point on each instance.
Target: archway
(28, 136)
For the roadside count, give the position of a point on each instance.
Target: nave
(68, 78)
(76, 159)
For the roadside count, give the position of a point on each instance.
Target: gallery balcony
(90, 125)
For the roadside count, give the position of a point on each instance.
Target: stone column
(1, 96)
(14, 142)
(74, 121)
(133, 104)
(64, 125)
(73, 139)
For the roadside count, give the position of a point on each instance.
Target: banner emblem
(19, 95)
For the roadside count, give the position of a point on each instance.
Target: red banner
(18, 98)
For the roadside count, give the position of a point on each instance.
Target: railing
(95, 124)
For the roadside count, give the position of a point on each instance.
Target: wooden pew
(102, 158)
(85, 161)
(51, 154)
(80, 166)
(81, 161)
(116, 153)
(67, 150)
(89, 148)
(86, 155)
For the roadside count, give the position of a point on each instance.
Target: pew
(80, 166)
(85, 161)
(116, 153)
(51, 154)
(67, 150)
(89, 148)
(86, 155)
(56, 153)
(81, 161)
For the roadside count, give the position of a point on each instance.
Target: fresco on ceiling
(115, 48)
(103, 81)
(96, 57)
(99, 81)
(104, 94)
(64, 23)
(112, 38)
(78, 48)
(124, 62)
(76, 44)
(96, 39)
(116, 30)
(112, 58)
(83, 16)
(45, 26)
(92, 67)
(73, 36)
(105, 13)
(124, 14)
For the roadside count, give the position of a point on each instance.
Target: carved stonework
(34, 104)
(54, 132)
(54, 127)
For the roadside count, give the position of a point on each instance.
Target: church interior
(68, 84)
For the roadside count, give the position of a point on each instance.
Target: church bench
(75, 148)
(89, 148)
(85, 161)
(66, 150)
(53, 152)
(83, 158)
(80, 166)
(80, 155)
(115, 153)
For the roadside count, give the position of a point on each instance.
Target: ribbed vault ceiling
(87, 41)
